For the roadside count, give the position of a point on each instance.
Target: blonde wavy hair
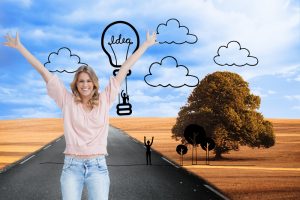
(94, 101)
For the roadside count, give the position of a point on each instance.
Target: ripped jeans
(91, 172)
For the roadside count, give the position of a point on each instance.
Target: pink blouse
(85, 132)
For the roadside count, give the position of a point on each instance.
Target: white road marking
(27, 159)
(170, 162)
(58, 139)
(135, 140)
(215, 191)
(47, 147)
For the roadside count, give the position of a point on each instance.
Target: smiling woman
(85, 87)
(86, 121)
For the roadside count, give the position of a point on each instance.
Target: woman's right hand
(12, 42)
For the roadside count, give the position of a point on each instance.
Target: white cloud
(271, 92)
(165, 109)
(262, 92)
(64, 35)
(34, 112)
(293, 97)
(6, 91)
(288, 71)
(296, 107)
(269, 29)
(259, 92)
(30, 92)
(266, 28)
(297, 78)
(140, 97)
(99, 12)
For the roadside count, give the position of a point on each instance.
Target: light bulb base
(115, 72)
(124, 109)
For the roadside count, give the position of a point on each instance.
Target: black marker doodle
(64, 60)
(207, 145)
(194, 135)
(181, 150)
(169, 71)
(173, 32)
(120, 39)
(234, 54)
(125, 107)
(148, 145)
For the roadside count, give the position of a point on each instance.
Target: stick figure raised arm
(152, 141)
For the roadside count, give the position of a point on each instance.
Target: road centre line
(27, 159)
(215, 191)
(170, 162)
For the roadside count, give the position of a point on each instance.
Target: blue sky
(269, 29)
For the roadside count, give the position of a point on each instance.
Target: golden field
(19, 138)
(272, 173)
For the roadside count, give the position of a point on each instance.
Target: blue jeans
(77, 172)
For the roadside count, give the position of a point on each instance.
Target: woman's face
(84, 84)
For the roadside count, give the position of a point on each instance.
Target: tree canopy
(223, 105)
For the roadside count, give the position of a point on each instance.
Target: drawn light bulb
(119, 40)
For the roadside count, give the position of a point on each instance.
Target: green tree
(223, 105)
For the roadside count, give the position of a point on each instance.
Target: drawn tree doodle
(181, 150)
(194, 135)
(207, 145)
(234, 54)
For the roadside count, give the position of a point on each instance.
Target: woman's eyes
(81, 81)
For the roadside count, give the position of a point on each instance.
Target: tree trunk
(218, 155)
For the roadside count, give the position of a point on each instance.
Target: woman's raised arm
(151, 40)
(15, 43)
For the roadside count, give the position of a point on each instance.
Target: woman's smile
(84, 84)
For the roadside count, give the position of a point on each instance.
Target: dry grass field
(19, 138)
(272, 173)
(245, 174)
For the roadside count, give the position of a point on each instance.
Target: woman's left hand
(151, 39)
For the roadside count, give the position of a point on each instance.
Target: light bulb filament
(119, 41)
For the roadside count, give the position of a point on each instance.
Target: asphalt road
(37, 178)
